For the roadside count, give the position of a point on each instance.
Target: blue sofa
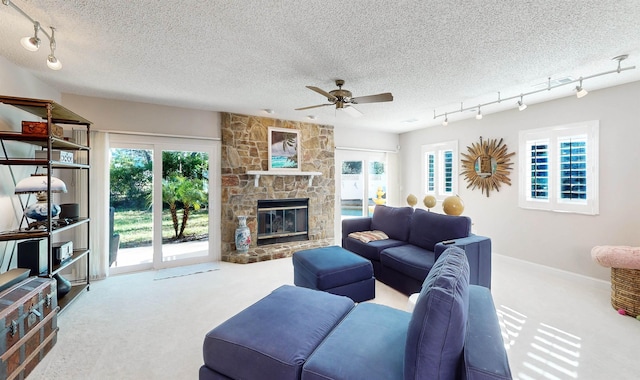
(299, 333)
(415, 242)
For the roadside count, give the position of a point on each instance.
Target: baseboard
(571, 276)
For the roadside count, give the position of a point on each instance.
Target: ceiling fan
(343, 99)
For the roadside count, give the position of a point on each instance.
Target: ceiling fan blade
(351, 111)
(316, 106)
(323, 93)
(384, 97)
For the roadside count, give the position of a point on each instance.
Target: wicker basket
(625, 290)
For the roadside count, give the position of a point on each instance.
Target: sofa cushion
(437, 329)
(372, 249)
(368, 344)
(428, 228)
(408, 259)
(484, 353)
(272, 338)
(393, 221)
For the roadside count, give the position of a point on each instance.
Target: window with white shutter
(440, 169)
(559, 168)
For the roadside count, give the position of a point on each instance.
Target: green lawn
(135, 230)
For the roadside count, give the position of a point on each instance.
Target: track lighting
(446, 120)
(52, 61)
(580, 91)
(521, 105)
(33, 43)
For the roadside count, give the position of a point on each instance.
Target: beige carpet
(132, 327)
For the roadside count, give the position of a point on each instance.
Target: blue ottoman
(274, 337)
(335, 270)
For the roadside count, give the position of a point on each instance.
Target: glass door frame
(366, 157)
(158, 144)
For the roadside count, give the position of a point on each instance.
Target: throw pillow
(367, 236)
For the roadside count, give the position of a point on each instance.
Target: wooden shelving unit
(52, 113)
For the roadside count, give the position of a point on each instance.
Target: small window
(440, 169)
(559, 167)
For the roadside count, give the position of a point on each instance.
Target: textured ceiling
(246, 56)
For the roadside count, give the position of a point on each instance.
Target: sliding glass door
(363, 182)
(185, 205)
(163, 203)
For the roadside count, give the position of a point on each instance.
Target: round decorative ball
(622, 312)
(429, 201)
(453, 205)
(638, 317)
(412, 200)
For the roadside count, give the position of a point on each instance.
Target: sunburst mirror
(487, 165)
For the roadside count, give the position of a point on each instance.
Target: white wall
(144, 118)
(559, 240)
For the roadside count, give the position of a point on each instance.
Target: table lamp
(37, 184)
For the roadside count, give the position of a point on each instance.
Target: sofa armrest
(478, 250)
(485, 356)
(355, 225)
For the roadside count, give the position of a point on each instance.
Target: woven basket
(625, 290)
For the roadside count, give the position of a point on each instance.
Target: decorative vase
(243, 235)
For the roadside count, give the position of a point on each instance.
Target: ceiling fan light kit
(580, 91)
(343, 99)
(32, 43)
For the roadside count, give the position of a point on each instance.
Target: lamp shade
(37, 183)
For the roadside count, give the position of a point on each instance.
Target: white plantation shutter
(440, 169)
(559, 168)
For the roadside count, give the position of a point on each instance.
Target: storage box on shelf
(54, 152)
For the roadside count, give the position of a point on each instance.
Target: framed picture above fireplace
(284, 149)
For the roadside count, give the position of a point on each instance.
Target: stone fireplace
(245, 151)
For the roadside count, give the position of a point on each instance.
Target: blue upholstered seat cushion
(372, 249)
(436, 334)
(272, 338)
(393, 221)
(408, 259)
(368, 344)
(428, 228)
(329, 267)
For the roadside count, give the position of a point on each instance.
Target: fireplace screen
(282, 220)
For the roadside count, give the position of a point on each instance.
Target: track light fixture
(446, 120)
(52, 61)
(521, 105)
(33, 43)
(580, 91)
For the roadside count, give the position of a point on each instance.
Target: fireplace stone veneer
(244, 149)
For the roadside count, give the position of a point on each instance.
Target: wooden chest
(28, 319)
(41, 128)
